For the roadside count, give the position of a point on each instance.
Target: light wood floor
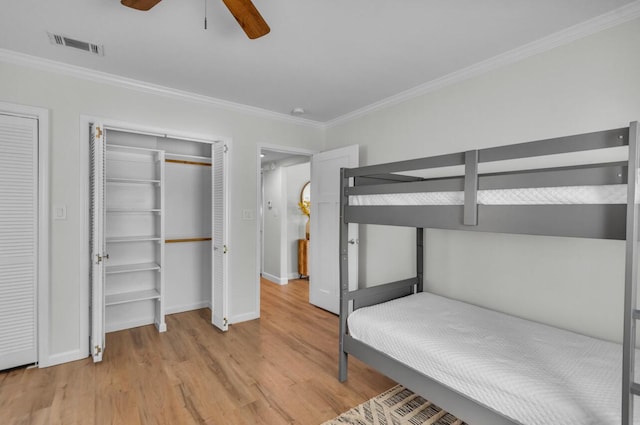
(280, 369)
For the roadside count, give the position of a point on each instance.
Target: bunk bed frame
(607, 221)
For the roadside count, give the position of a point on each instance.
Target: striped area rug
(397, 406)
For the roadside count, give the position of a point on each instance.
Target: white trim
(275, 279)
(244, 317)
(114, 327)
(22, 59)
(293, 276)
(83, 161)
(42, 116)
(560, 38)
(65, 357)
(275, 148)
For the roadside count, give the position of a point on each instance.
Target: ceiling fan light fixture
(244, 11)
(139, 4)
(248, 17)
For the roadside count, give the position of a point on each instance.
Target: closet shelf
(119, 239)
(168, 155)
(133, 210)
(131, 149)
(127, 268)
(129, 297)
(187, 239)
(131, 181)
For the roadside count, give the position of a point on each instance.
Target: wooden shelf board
(188, 162)
(127, 268)
(129, 297)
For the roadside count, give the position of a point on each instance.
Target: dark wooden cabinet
(303, 255)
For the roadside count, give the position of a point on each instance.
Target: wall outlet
(248, 214)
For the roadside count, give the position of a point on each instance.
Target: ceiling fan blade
(248, 17)
(140, 4)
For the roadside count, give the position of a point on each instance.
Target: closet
(19, 250)
(156, 203)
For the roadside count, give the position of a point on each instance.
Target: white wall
(589, 85)
(283, 222)
(296, 177)
(67, 98)
(274, 224)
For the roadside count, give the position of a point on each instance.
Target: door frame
(276, 148)
(42, 282)
(113, 124)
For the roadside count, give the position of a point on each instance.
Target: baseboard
(294, 275)
(128, 325)
(244, 317)
(275, 279)
(67, 356)
(187, 307)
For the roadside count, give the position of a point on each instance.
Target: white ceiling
(330, 57)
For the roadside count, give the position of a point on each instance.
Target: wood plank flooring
(280, 369)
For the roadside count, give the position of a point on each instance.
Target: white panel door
(219, 187)
(97, 242)
(18, 240)
(324, 239)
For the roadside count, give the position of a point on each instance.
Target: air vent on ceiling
(62, 40)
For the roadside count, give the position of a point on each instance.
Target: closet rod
(186, 240)
(182, 161)
(161, 135)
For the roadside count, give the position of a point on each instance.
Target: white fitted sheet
(532, 373)
(604, 194)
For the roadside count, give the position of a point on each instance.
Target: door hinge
(97, 350)
(224, 249)
(225, 322)
(99, 258)
(98, 132)
(226, 149)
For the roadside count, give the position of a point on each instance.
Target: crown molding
(592, 26)
(22, 59)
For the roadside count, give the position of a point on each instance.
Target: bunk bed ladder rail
(630, 388)
(344, 277)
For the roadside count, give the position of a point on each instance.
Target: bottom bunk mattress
(531, 373)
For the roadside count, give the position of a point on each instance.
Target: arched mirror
(305, 193)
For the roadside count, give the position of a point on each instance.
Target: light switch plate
(59, 212)
(248, 214)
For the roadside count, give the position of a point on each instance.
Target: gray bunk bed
(394, 194)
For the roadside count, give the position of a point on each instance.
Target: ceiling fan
(243, 10)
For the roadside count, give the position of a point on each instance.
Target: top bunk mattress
(531, 373)
(561, 195)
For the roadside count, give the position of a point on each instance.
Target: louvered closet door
(219, 290)
(18, 240)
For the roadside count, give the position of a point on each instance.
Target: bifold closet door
(18, 240)
(219, 200)
(97, 242)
